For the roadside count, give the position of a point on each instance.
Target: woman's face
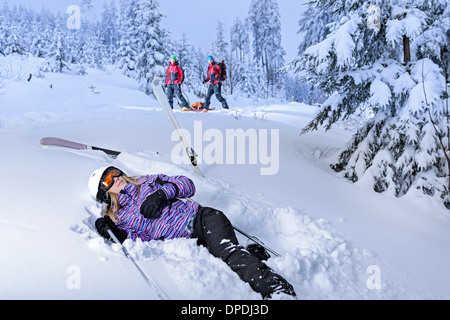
(119, 185)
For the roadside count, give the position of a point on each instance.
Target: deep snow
(335, 238)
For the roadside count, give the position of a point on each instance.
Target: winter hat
(97, 193)
(210, 58)
(174, 57)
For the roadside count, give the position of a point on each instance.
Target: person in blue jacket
(149, 207)
(214, 76)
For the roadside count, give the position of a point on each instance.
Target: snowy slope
(331, 234)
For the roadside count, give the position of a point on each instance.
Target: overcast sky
(198, 18)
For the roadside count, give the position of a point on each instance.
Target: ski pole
(178, 100)
(204, 93)
(183, 93)
(256, 240)
(161, 295)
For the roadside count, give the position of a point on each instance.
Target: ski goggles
(107, 180)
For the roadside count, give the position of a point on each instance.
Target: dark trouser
(213, 230)
(217, 89)
(174, 89)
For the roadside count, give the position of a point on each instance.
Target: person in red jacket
(215, 84)
(174, 80)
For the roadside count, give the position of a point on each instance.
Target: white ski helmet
(97, 193)
(94, 182)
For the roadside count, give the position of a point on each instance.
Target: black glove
(103, 224)
(205, 81)
(151, 205)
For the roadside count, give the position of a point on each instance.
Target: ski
(52, 141)
(160, 96)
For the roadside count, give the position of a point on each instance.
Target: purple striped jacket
(173, 220)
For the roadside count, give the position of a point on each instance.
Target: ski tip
(156, 82)
(44, 141)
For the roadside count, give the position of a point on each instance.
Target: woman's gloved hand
(104, 224)
(151, 205)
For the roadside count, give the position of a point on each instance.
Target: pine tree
(240, 40)
(221, 45)
(398, 69)
(239, 51)
(127, 51)
(143, 51)
(57, 58)
(13, 42)
(315, 24)
(152, 39)
(45, 25)
(222, 54)
(109, 30)
(265, 23)
(3, 32)
(94, 52)
(198, 71)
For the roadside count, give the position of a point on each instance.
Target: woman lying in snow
(148, 207)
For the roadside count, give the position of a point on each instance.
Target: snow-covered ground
(337, 240)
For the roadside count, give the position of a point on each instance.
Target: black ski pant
(213, 230)
(217, 89)
(175, 89)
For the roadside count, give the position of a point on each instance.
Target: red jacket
(174, 74)
(214, 74)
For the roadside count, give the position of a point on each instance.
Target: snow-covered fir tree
(109, 30)
(240, 39)
(198, 72)
(143, 47)
(38, 47)
(109, 24)
(15, 43)
(57, 57)
(127, 51)
(221, 51)
(265, 23)
(390, 57)
(315, 24)
(239, 53)
(152, 45)
(3, 33)
(95, 53)
(221, 45)
(12, 38)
